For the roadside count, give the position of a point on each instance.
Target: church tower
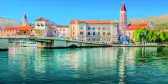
(24, 21)
(123, 16)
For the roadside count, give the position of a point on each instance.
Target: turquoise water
(124, 65)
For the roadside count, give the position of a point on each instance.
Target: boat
(29, 44)
(24, 43)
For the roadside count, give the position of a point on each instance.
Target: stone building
(64, 31)
(14, 31)
(42, 27)
(94, 30)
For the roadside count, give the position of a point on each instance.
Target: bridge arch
(73, 46)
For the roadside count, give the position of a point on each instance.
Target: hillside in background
(155, 19)
(4, 22)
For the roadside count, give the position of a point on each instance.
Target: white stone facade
(95, 31)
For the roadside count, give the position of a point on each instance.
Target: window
(108, 34)
(93, 39)
(42, 25)
(93, 28)
(98, 33)
(103, 33)
(93, 33)
(81, 33)
(81, 28)
(73, 33)
(88, 28)
(104, 28)
(89, 39)
(88, 33)
(63, 29)
(38, 24)
(98, 28)
(60, 29)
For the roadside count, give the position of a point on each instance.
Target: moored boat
(29, 44)
(23, 44)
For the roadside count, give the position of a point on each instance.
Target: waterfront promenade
(50, 42)
(139, 45)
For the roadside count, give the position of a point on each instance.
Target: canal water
(117, 65)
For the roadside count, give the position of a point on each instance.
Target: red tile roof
(91, 21)
(123, 8)
(52, 27)
(41, 19)
(135, 26)
(19, 28)
(62, 26)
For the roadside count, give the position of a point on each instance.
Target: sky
(63, 11)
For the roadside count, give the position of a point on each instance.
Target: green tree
(162, 37)
(166, 36)
(143, 35)
(154, 37)
(137, 35)
(149, 36)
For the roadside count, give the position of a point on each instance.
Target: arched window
(103, 33)
(81, 33)
(93, 33)
(98, 28)
(42, 24)
(38, 24)
(104, 28)
(88, 33)
(93, 28)
(108, 34)
(98, 33)
(88, 28)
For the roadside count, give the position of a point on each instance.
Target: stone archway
(73, 46)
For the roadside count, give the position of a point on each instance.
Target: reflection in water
(94, 65)
(121, 64)
(20, 58)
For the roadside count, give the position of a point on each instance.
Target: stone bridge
(50, 42)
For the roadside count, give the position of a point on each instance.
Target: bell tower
(24, 21)
(123, 16)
